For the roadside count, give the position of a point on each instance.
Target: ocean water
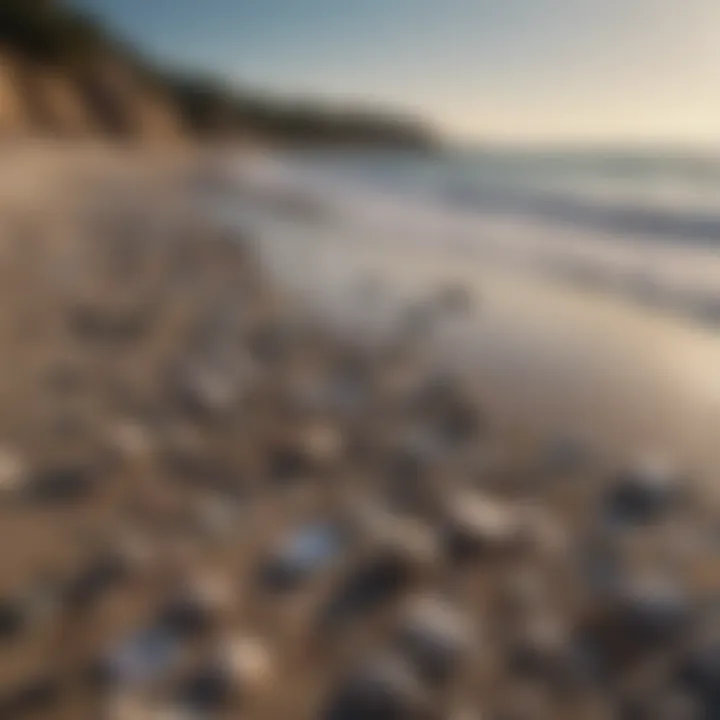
(670, 195)
(643, 224)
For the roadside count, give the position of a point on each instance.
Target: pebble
(289, 463)
(95, 323)
(543, 648)
(409, 543)
(130, 706)
(130, 440)
(102, 574)
(479, 524)
(13, 473)
(322, 442)
(459, 422)
(654, 608)
(197, 607)
(30, 610)
(205, 391)
(699, 669)
(36, 695)
(644, 493)
(14, 618)
(384, 688)
(64, 483)
(242, 669)
(302, 555)
(143, 658)
(398, 554)
(250, 663)
(434, 637)
(638, 615)
(666, 704)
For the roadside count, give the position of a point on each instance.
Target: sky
(530, 71)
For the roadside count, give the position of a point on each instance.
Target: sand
(253, 469)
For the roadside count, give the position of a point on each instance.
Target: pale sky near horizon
(491, 70)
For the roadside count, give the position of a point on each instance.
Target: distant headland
(63, 73)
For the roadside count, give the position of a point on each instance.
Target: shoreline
(665, 274)
(570, 349)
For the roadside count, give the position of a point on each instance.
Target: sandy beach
(253, 468)
(359, 361)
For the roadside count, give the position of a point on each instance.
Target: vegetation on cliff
(119, 90)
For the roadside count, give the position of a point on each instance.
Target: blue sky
(508, 70)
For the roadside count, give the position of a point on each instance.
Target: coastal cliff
(64, 74)
(45, 100)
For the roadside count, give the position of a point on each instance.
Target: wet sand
(575, 359)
